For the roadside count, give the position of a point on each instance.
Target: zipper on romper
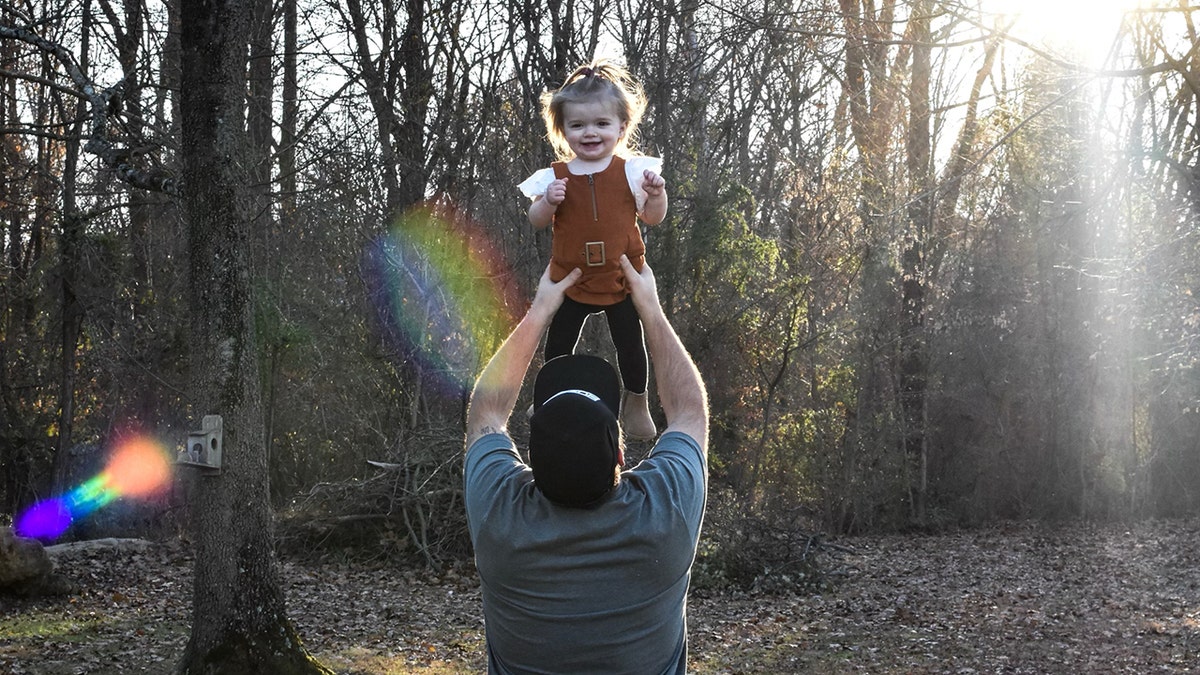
(592, 186)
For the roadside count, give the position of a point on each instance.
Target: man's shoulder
(493, 474)
(678, 443)
(488, 448)
(677, 464)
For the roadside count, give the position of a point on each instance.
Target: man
(585, 567)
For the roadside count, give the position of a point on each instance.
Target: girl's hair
(599, 80)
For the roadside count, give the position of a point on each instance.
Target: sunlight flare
(138, 468)
(443, 293)
(1082, 31)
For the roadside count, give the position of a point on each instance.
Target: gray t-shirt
(598, 590)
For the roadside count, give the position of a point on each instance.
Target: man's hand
(549, 295)
(642, 287)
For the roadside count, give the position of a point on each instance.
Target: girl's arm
(541, 211)
(655, 209)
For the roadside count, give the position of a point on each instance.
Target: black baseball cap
(574, 438)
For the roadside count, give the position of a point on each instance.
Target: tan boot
(635, 417)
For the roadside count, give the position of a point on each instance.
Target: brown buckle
(593, 253)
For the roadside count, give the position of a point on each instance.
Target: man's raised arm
(499, 384)
(680, 389)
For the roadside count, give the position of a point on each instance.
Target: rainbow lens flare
(443, 294)
(138, 468)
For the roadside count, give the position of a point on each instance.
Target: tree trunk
(291, 112)
(72, 308)
(145, 211)
(239, 623)
(399, 85)
(414, 107)
(10, 247)
(913, 356)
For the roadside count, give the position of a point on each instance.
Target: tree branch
(115, 156)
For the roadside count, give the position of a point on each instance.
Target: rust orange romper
(592, 227)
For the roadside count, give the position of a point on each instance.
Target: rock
(108, 543)
(21, 559)
(26, 568)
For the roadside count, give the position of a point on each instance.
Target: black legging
(623, 324)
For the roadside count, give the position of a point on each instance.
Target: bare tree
(239, 623)
(913, 360)
(73, 222)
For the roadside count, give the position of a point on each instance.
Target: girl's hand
(652, 183)
(556, 192)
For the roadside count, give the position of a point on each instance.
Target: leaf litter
(1013, 598)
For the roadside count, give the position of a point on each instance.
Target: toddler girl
(593, 196)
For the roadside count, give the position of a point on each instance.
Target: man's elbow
(478, 428)
(691, 417)
(482, 419)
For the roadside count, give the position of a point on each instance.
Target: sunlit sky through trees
(1082, 31)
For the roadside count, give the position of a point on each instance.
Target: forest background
(935, 271)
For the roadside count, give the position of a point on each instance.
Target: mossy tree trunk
(239, 621)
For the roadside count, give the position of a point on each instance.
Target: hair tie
(586, 71)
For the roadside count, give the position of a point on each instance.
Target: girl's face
(592, 129)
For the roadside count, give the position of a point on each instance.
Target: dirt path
(1013, 599)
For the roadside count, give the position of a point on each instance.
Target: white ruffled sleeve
(535, 186)
(634, 166)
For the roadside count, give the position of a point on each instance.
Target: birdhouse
(203, 447)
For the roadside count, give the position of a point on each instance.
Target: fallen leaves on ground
(1015, 598)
